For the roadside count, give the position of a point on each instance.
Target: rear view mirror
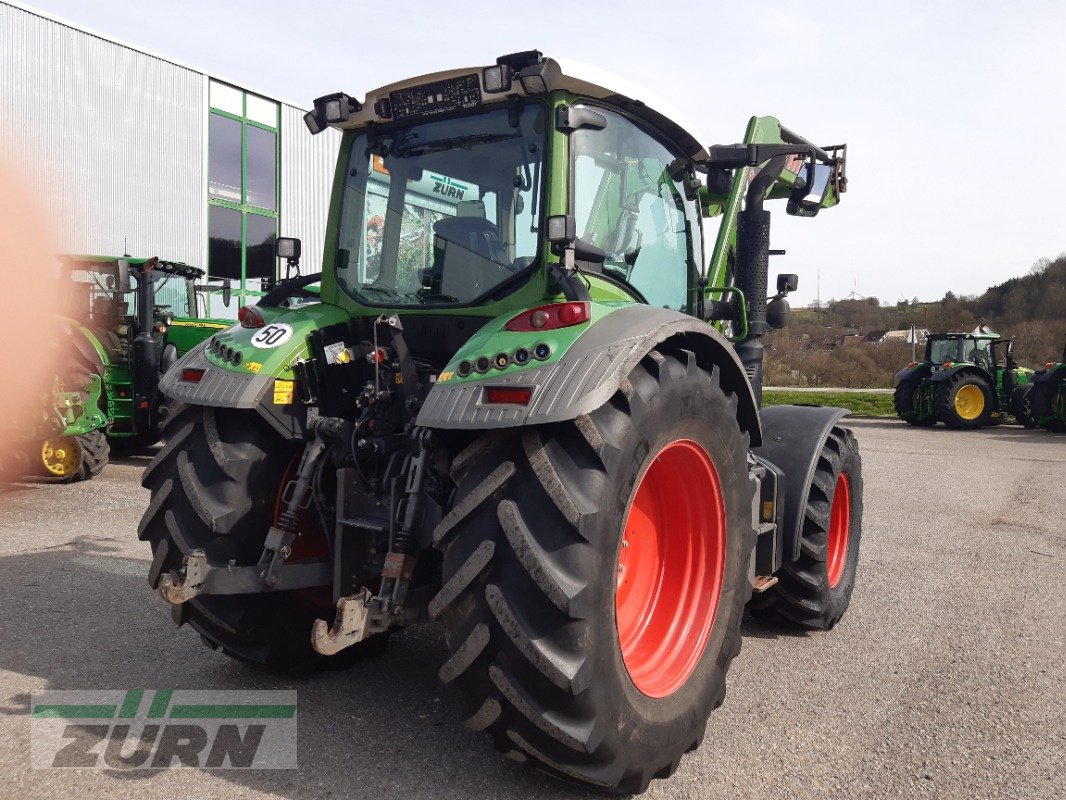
(122, 276)
(787, 282)
(811, 190)
(227, 293)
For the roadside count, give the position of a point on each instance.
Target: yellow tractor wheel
(965, 401)
(969, 402)
(74, 458)
(61, 456)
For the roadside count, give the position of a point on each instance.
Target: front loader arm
(735, 177)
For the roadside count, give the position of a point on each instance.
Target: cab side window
(627, 204)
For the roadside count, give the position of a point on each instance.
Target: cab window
(626, 203)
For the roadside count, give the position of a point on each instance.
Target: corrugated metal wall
(113, 138)
(307, 164)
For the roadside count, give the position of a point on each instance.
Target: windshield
(95, 296)
(442, 212)
(975, 350)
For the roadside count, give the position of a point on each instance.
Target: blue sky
(953, 112)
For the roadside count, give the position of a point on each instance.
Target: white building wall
(113, 138)
(307, 168)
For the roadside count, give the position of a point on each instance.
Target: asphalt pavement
(945, 679)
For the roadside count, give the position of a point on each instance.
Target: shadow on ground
(79, 616)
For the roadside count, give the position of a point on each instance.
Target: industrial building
(135, 153)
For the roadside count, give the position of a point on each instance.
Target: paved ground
(945, 679)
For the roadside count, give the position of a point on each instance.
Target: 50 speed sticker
(273, 335)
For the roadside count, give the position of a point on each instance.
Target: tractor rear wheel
(594, 577)
(75, 458)
(215, 486)
(1021, 402)
(964, 401)
(815, 591)
(903, 400)
(1043, 400)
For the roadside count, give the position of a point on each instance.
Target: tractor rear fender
(590, 371)
(942, 375)
(1054, 375)
(914, 373)
(793, 437)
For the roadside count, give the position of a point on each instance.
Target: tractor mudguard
(262, 377)
(1054, 375)
(942, 375)
(916, 372)
(793, 437)
(588, 374)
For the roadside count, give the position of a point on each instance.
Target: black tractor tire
(1021, 403)
(531, 564)
(804, 595)
(946, 393)
(93, 455)
(903, 401)
(214, 487)
(1042, 401)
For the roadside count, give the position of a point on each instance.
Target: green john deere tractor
(525, 403)
(134, 318)
(1046, 400)
(967, 380)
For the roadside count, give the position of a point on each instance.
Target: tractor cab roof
(168, 267)
(982, 336)
(518, 74)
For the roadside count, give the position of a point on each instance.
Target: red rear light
(912, 365)
(949, 364)
(250, 317)
(1049, 365)
(192, 375)
(511, 396)
(551, 317)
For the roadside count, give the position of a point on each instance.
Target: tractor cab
(944, 350)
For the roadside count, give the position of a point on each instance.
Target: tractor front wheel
(594, 577)
(75, 458)
(906, 408)
(815, 591)
(964, 401)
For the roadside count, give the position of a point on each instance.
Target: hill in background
(838, 345)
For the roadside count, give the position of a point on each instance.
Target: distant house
(853, 340)
(875, 336)
(905, 335)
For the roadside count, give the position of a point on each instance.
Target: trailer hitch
(361, 615)
(203, 577)
(272, 573)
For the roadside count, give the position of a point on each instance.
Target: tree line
(821, 346)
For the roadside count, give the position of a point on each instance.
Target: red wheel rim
(839, 530)
(671, 563)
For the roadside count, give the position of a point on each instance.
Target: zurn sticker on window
(283, 392)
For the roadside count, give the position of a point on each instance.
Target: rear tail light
(551, 317)
(250, 317)
(509, 395)
(192, 375)
(1049, 365)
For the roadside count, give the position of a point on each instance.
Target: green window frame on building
(243, 187)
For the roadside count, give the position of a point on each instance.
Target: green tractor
(967, 380)
(1046, 400)
(133, 318)
(525, 403)
(64, 439)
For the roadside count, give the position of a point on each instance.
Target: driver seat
(464, 245)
